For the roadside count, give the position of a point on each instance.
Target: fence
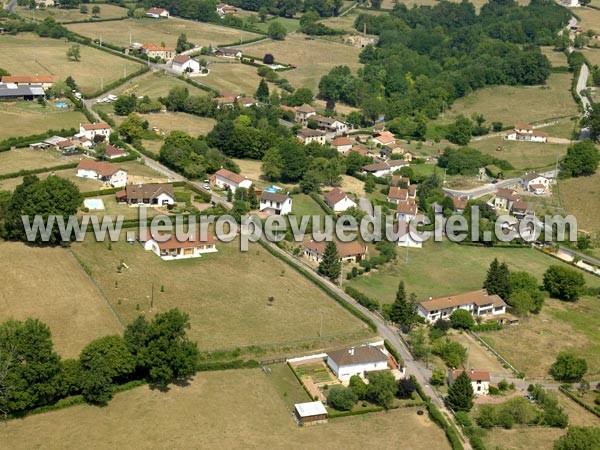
(497, 355)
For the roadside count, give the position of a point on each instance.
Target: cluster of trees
(403, 311)
(582, 159)
(381, 390)
(427, 57)
(452, 353)
(580, 438)
(127, 104)
(564, 283)
(53, 196)
(518, 289)
(467, 161)
(521, 411)
(309, 24)
(289, 8)
(568, 367)
(193, 157)
(34, 374)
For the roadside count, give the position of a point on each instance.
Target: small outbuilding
(310, 413)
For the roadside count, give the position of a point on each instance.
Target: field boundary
(88, 273)
(496, 354)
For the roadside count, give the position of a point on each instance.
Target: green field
(48, 284)
(225, 294)
(157, 31)
(233, 409)
(518, 104)
(308, 55)
(24, 159)
(446, 268)
(557, 59)
(171, 121)
(522, 155)
(107, 11)
(581, 197)
(155, 85)
(232, 77)
(27, 54)
(27, 118)
(304, 205)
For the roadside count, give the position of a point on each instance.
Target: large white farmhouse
(280, 204)
(478, 303)
(102, 171)
(526, 133)
(91, 130)
(356, 361)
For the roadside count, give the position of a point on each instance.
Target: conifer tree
(262, 93)
(330, 265)
(460, 394)
(403, 311)
(497, 281)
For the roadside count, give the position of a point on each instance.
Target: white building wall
(118, 179)
(343, 205)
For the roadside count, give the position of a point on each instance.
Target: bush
(462, 319)
(341, 398)
(362, 299)
(568, 367)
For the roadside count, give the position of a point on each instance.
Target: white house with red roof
(102, 171)
(185, 64)
(171, 247)
(342, 144)
(385, 138)
(351, 251)
(226, 179)
(533, 182)
(480, 379)
(304, 113)
(406, 210)
(157, 13)
(407, 236)
(526, 133)
(91, 130)
(338, 200)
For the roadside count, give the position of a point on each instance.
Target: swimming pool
(62, 105)
(93, 203)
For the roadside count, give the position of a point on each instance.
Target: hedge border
(573, 397)
(324, 206)
(25, 172)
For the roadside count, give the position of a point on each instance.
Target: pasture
(478, 356)
(157, 31)
(48, 284)
(229, 76)
(522, 438)
(27, 53)
(522, 155)
(556, 58)
(458, 268)
(171, 121)
(581, 197)
(107, 11)
(518, 104)
(226, 295)
(314, 57)
(26, 118)
(26, 159)
(560, 326)
(304, 205)
(240, 409)
(155, 85)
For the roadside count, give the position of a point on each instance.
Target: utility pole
(152, 297)
(321, 326)
(556, 168)
(444, 182)
(407, 237)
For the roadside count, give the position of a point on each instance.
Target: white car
(112, 97)
(78, 95)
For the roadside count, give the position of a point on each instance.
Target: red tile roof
(96, 126)
(334, 196)
(474, 375)
(407, 208)
(398, 193)
(339, 141)
(479, 298)
(345, 249)
(28, 79)
(229, 175)
(101, 168)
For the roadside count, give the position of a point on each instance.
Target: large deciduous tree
(564, 283)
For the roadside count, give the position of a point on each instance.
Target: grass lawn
(308, 54)
(225, 294)
(48, 284)
(518, 104)
(250, 168)
(26, 53)
(112, 208)
(26, 118)
(167, 122)
(562, 129)
(238, 409)
(153, 146)
(478, 356)
(304, 205)
(157, 31)
(233, 76)
(589, 18)
(107, 11)
(522, 155)
(24, 158)
(581, 197)
(523, 438)
(154, 85)
(287, 385)
(560, 326)
(444, 268)
(557, 59)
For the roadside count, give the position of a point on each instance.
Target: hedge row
(577, 400)
(324, 206)
(118, 82)
(24, 172)
(106, 118)
(392, 350)
(336, 414)
(300, 381)
(438, 418)
(24, 141)
(140, 148)
(246, 41)
(227, 365)
(91, 20)
(194, 83)
(491, 326)
(368, 302)
(351, 308)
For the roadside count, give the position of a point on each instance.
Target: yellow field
(233, 77)
(314, 57)
(233, 410)
(518, 104)
(48, 284)
(24, 158)
(26, 118)
(581, 197)
(167, 122)
(157, 31)
(26, 54)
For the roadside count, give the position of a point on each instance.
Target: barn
(310, 413)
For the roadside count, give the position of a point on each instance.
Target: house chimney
(351, 351)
